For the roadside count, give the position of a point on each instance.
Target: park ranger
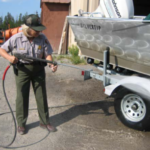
(33, 43)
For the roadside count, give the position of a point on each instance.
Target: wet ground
(85, 119)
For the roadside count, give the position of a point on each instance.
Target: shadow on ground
(76, 111)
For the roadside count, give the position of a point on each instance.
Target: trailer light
(82, 73)
(104, 90)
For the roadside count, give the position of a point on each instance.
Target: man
(33, 43)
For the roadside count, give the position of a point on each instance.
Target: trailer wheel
(132, 110)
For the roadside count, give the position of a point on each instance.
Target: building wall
(87, 6)
(53, 17)
(93, 4)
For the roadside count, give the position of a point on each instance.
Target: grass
(74, 50)
(62, 57)
(96, 61)
(77, 60)
(73, 57)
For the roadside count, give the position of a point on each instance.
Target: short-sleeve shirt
(38, 48)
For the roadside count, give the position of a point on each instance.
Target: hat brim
(38, 28)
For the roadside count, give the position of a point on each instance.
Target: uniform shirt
(39, 47)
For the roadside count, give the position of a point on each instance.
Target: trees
(1, 21)
(20, 19)
(10, 21)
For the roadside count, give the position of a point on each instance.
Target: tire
(132, 110)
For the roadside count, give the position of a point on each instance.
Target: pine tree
(9, 21)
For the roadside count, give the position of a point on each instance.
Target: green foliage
(75, 59)
(60, 57)
(96, 61)
(14, 22)
(73, 50)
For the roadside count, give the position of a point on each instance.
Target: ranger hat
(33, 21)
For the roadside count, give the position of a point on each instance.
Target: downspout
(87, 5)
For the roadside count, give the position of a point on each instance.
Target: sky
(15, 7)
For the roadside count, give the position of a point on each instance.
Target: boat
(127, 38)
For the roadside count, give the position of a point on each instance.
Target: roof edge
(55, 1)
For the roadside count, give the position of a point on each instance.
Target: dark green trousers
(35, 75)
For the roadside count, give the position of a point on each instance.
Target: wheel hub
(134, 107)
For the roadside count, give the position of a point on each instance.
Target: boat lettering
(116, 8)
(91, 27)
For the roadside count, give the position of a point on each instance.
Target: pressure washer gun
(26, 57)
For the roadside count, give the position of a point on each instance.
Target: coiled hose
(11, 111)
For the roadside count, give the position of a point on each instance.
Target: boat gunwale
(111, 19)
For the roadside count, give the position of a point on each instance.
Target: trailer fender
(135, 84)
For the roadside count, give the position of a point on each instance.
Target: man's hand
(54, 68)
(13, 59)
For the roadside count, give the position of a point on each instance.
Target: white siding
(86, 5)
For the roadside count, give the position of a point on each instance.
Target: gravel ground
(92, 126)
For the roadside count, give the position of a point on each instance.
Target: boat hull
(128, 40)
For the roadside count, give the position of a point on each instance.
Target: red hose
(5, 72)
(15, 124)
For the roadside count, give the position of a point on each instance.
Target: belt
(31, 63)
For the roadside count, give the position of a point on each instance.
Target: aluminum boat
(128, 40)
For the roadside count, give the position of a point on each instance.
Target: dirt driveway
(92, 126)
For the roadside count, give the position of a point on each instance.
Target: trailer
(122, 46)
(130, 91)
